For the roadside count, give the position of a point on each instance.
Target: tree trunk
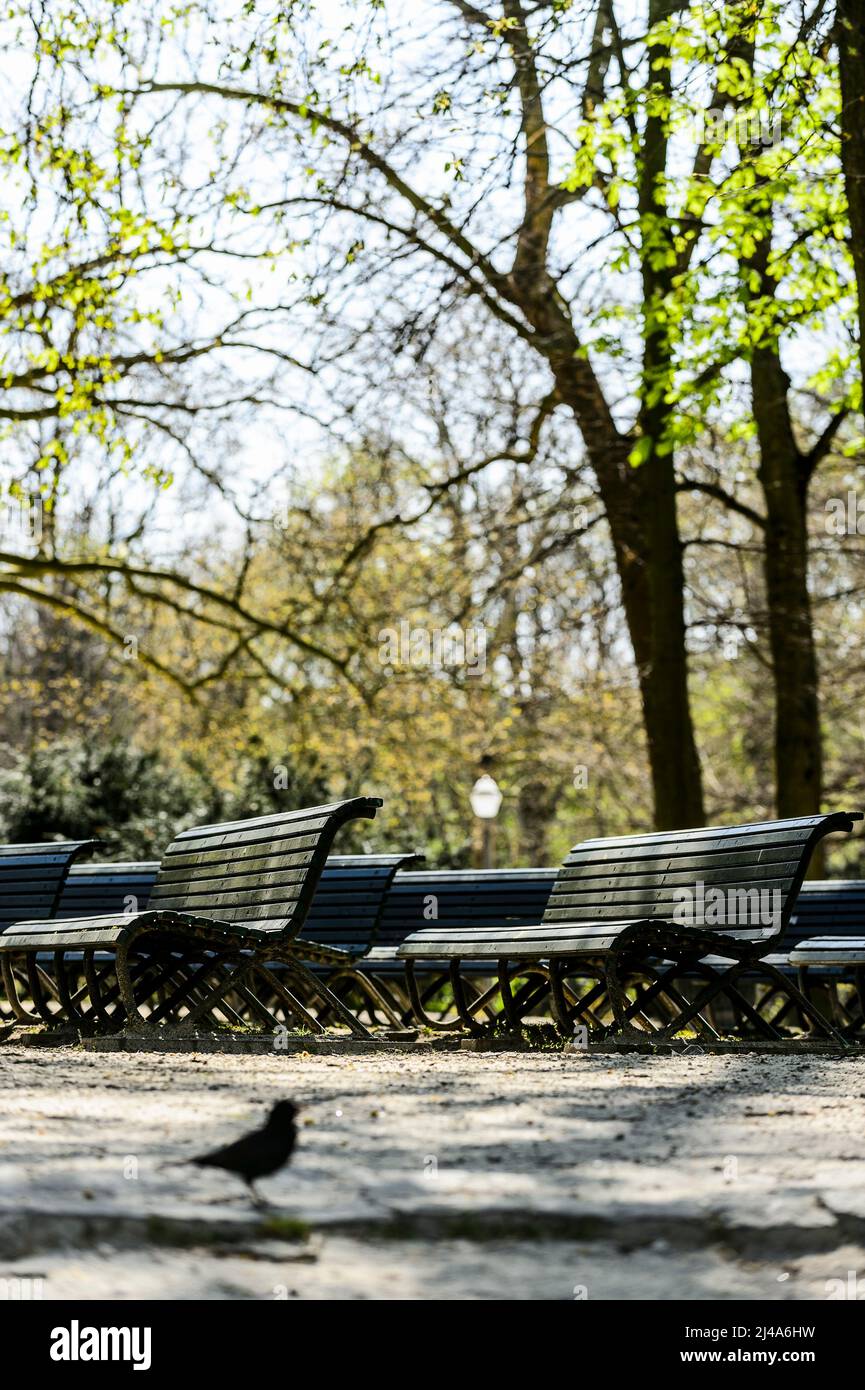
(798, 753)
(675, 764)
(784, 474)
(850, 37)
(640, 506)
(664, 679)
(640, 503)
(536, 811)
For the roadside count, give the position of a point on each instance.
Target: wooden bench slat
(580, 918)
(829, 951)
(765, 830)
(32, 877)
(298, 851)
(271, 908)
(675, 876)
(340, 922)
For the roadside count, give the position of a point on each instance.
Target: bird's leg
(257, 1198)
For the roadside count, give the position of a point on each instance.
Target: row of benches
(367, 905)
(256, 921)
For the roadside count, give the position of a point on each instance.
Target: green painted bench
(830, 952)
(449, 899)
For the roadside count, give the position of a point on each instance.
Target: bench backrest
(454, 898)
(350, 897)
(95, 890)
(715, 873)
(32, 878)
(259, 873)
(344, 912)
(827, 907)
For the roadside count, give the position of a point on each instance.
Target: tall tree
(789, 273)
(507, 76)
(850, 39)
(128, 341)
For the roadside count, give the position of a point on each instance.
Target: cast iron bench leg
(377, 996)
(318, 988)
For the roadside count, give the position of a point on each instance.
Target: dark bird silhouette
(260, 1153)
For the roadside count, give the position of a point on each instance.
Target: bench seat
(830, 951)
(529, 943)
(32, 880)
(835, 965)
(106, 932)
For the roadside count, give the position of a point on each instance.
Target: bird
(259, 1153)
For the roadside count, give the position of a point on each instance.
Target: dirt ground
(435, 1176)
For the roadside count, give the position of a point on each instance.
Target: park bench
(830, 947)
(349, 901)
(32, 878)
(629, 918)
(446, 899)
(831, 907)
(361, 909)
(228, 904)
(343, 915)
(346, 913)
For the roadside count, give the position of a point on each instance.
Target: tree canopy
(529, 323)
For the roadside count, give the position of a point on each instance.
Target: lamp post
(486, 798)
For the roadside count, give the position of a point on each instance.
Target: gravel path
(447, 1175)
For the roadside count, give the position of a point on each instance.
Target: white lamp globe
(486, 798)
